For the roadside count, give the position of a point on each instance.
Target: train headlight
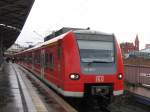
(120, 76)
(74, 76)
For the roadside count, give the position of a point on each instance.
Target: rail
(50, 95)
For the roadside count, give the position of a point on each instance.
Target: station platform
(21, 91)
(141, 93)
(15, 96)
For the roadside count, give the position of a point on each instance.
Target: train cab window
(97, 51)
(51, 58)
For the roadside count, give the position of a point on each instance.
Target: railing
(137, 74)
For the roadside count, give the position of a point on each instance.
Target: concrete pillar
(1, 52)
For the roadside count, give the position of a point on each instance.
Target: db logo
(99, 78)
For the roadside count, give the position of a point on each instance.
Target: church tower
(136, 43)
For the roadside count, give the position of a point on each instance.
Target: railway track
(50, 98)
(65, 105)
(25, 108)
(86, 107)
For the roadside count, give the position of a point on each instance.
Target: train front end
(95, 67)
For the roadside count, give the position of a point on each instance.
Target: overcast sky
(124, 18)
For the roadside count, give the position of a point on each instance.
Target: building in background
(128, 47)
(146, 49)
(136, 53)
(147, 46)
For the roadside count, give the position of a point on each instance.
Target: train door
(42, 63)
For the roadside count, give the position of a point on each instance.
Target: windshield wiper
(100, 61)
(95, 61)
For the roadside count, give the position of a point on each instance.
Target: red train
(80, 63)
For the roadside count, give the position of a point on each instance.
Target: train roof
(92, 32)
(47, 42)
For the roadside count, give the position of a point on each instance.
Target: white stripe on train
(69, 93)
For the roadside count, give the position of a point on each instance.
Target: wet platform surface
(141, 93)
(10, 98)
(17, 93)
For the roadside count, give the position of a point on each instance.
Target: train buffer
(17, 93)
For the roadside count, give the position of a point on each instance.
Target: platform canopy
(13, 14)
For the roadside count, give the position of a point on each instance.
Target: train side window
(38, 59)
(35, 59)
(59, 52)
(30, 58)
(26, 58)
(51, 58)
(46, 60)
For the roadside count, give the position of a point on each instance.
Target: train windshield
(96, 51)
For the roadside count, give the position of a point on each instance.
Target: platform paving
(10, 98)
(142, 93)
(15, 94)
